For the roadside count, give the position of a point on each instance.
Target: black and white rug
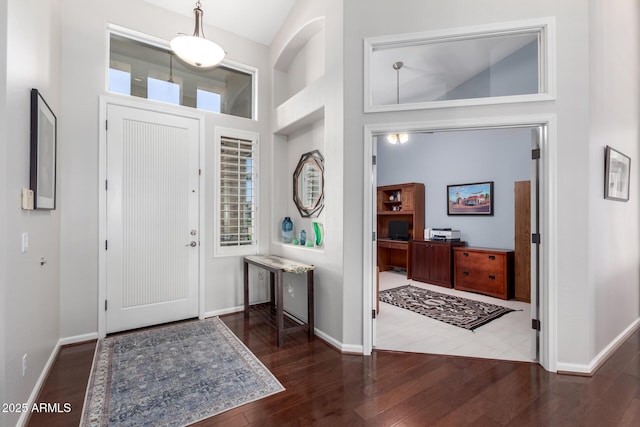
(456, 311)
(173, 376)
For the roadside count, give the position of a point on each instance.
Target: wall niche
(301, 62)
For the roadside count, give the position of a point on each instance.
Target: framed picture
(617, 169)
(43, 152)
(470, 199)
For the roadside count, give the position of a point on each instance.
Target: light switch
(27, 199)
(25, 242)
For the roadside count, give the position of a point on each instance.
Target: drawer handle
(492, 277)
(465, 273)
(465, 253)
(492, 257)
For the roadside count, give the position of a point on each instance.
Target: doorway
(150, 218)
(544, 221)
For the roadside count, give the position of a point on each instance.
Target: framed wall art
(617, 167)
(470, 199)
(43, 152)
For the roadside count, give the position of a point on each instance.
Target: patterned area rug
(456, 311)
(173, 376)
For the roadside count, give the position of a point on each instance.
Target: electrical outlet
(290, 290)
(24, 365)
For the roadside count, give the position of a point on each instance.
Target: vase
(318, 229)
(287, 230)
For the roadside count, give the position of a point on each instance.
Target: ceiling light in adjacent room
(397, 138)
(196, 50)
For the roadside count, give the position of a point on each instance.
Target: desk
(277, 266)
(394, 253)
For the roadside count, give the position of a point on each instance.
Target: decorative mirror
(308, 184)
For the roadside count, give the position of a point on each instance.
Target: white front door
(152, 221)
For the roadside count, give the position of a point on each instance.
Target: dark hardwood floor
(325, 387)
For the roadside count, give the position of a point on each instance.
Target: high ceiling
(257, 20)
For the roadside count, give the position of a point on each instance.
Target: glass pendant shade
(196, 50)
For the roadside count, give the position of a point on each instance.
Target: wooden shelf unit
(407, 204)
(400, 202)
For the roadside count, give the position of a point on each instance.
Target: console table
(277, 266)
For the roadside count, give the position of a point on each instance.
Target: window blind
(238, 185)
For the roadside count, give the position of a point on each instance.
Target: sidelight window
(237, 182)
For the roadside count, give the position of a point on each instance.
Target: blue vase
(287, 230)
(303, 237)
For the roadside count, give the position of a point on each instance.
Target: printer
(444, 234)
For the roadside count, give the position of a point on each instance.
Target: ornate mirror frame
(308, 184)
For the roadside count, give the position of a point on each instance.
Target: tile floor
(506, 338)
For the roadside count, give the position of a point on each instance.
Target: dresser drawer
(389, 244)
(486, 271)
(487, 261)
(493, 284)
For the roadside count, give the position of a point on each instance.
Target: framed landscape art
(470, 199)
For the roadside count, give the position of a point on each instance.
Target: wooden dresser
(432, 261)
(485, 271)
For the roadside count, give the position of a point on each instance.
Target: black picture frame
(44, 134)
(617, 175)
(473, 199)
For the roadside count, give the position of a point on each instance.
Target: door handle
(193, 244)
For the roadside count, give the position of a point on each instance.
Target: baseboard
(591, 368)
(343, 348)
(78, 339)
(24, 417)
(231, 310)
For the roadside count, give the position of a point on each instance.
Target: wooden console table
(277, 266)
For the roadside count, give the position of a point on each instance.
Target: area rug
(173, 376)
(456, 311)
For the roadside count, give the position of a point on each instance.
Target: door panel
(152, 218)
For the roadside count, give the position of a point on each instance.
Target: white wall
(614, 228)
(445, 158)
(30, 292)
(3, 197)
(319, 103)
(85, 56)
(378, 18)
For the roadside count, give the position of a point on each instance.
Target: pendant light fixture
(196, 50)
(397, 138)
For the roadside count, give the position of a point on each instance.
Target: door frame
(548, 218)
(157, 107)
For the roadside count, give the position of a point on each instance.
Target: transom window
(154, 72)
(490, 64)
